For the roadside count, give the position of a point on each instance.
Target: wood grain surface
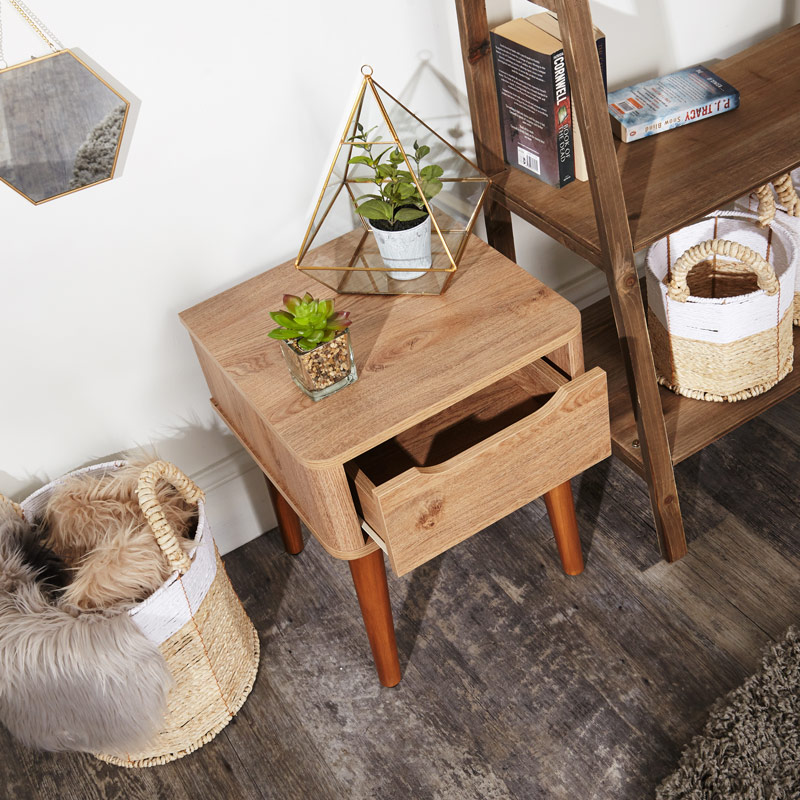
(675, 177)
(369, 579)
(520, 683)
(454, 491)
(560, 506)
(415, 355)
(569, 357)
(608, 202)
(473, 28)
(320, 497)
(288, 521)
(636, 194)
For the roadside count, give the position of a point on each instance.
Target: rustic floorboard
(519, 682)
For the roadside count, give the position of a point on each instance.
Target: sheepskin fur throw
(70, 680)
(95, 524)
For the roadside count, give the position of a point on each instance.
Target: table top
(416, 354)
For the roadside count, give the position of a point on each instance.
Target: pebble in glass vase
(315, 344)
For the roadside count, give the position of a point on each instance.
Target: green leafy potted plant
(397, 214)
(315, 342)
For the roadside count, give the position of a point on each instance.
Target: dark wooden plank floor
(519, 681)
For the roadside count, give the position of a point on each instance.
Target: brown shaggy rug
(750, 747)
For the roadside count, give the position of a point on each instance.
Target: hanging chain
(41, 29)
(35, 21)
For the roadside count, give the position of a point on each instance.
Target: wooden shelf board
(675, 177)
(691, 424)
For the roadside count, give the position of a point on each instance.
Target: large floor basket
(720, 295)
(196, 619)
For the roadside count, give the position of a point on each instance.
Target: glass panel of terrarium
(369, 258)
(381, 282)
(410, 129)
(462, 184)
(339, 252)
(371, 119)
(455, 205)
(334, 215)
(455, 241)
(454, 210)
(370, 137)
(352, 124)
(443, 106)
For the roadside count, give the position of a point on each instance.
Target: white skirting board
(237, 503)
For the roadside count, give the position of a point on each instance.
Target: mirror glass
(60, 126)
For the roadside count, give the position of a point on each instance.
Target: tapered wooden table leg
(288, 521)
(369, 577)
(561, 509)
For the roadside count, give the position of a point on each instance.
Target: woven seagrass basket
(196, 619)
(786, 212)
(720, 298)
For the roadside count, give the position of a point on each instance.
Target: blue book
(661, 104)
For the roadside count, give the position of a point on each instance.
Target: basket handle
(766, 205)
(154, 514)
(16, 507)
(678, 289)
(787, 194)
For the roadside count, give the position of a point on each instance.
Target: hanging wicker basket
(207, 640)
(785, 212)
(720, 296)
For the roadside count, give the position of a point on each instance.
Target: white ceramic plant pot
(408, 248)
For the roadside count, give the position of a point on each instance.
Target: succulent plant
(309, 321)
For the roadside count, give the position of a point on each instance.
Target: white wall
(240, 106)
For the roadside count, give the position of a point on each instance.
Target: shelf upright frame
(616, 244)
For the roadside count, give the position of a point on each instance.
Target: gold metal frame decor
(340, 248)
(61, 124)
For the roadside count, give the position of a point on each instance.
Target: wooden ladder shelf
(635, 195)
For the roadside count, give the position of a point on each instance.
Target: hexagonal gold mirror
(61, 126)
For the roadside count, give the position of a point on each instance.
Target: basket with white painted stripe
(720, 295)
(196, 619)
(786, 212)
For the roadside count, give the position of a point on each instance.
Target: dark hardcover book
(534, 102)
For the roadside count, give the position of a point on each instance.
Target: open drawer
(453, 474)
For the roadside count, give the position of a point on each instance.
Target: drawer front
(426, 510)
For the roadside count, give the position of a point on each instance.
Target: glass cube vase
(320, 372)
(353, 254)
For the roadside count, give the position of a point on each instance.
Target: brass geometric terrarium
(397, 207)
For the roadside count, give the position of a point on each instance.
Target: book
(548, 22)
(668, 102)
(536, 114)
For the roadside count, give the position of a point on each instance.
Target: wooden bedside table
(453, 423)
